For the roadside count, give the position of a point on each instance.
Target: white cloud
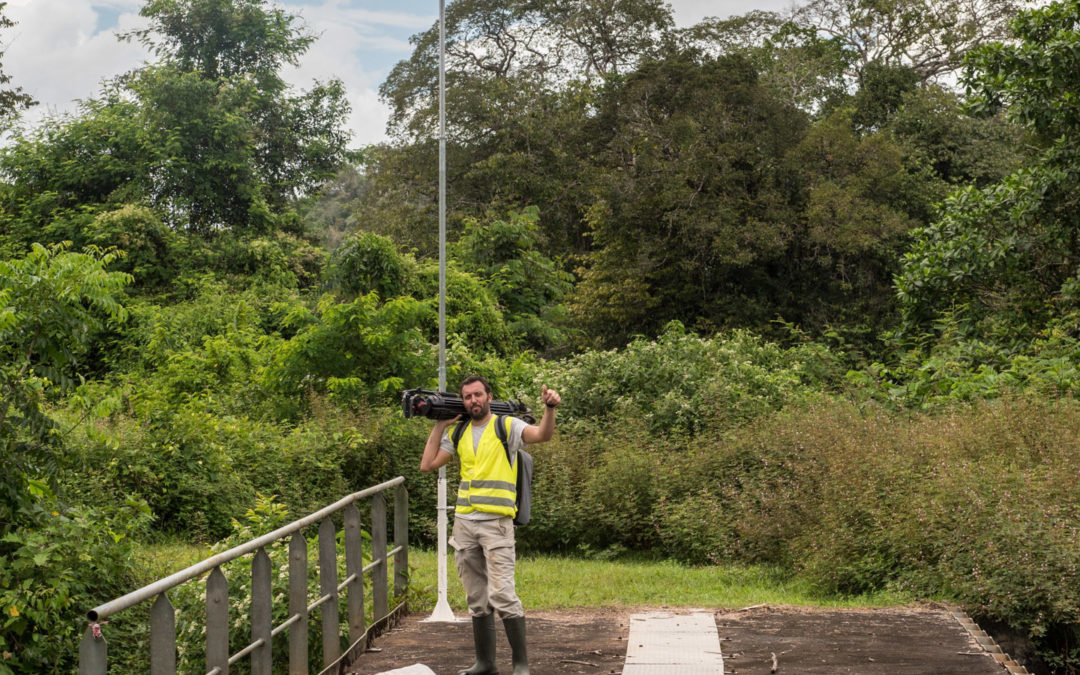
(54, 54)
(354, 46)
(690, 12)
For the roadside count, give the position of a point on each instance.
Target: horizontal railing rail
(93, 648)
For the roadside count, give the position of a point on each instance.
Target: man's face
(477, 401)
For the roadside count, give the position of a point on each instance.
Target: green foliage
(224, 38)
(684, 382)
(955, 368)
(975, 504)
(355, 350)
(149, 247)
(881, 94)
(220, 79)
(959, 149)
(59, 173)
(694, 196)
(59, 562)
(367, 262)
(1003, 260)
(527, 285)
(473, 316)
(210, 136)
(51, 304)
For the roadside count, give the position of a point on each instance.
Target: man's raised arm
(434, 458)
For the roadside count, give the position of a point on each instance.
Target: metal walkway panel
(673, 644)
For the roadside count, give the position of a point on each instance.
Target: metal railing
(92, 649)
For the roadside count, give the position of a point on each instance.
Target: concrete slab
(662, 643)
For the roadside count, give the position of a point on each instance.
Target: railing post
(401, 541)
(217, 622)
(261, 614)
(162, 637)
(298, 632)
(331, 634)
(354, 565)
(92, 654)
(378, 555)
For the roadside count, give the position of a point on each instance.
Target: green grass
(160, 559)
(551, 582)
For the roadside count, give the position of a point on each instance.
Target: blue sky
(62, 50)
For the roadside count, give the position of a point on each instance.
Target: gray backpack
(524, 467)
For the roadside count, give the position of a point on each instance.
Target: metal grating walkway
(661, 643)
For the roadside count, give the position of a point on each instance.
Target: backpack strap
(501, 422)
(459, 431)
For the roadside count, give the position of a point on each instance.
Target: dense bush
(685, 382)
(977, 504)
(959, 369)
(60, 562)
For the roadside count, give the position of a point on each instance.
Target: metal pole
(442, 606)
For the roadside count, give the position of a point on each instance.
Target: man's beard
(479, 413)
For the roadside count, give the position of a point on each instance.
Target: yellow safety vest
(488, 482)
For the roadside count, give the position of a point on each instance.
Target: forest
(808, 283)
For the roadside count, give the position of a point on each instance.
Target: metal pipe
(245, 651)
(198, 569)
(292, 619)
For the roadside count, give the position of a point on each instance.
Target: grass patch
(554, 582)
(157, 560)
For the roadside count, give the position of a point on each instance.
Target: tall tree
(1004, 261)
(692, 203)
(546, 44)
(210, 135)
(817, 53)
(931, 37)
(240, 142)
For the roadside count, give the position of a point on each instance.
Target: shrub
(683, 382)
(60, 562)
(367, 262)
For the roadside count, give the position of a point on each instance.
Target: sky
(61, 51)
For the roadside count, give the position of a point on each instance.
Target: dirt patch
(923, 640)
(572, 641)
(894, 641)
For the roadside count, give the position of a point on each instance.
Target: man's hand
(433, 457)
(550, 397)
(541, 433)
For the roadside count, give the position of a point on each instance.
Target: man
(483, 538)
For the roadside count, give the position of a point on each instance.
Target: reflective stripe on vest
(488, 482)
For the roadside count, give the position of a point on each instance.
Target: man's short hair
(475, 378)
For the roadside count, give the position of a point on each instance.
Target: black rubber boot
(483, 630)
(515, 633)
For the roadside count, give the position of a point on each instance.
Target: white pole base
(443, 614)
